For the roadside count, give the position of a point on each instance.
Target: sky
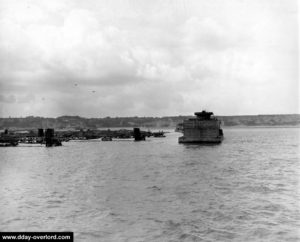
(98, 58)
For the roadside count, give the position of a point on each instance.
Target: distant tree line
(76, 122)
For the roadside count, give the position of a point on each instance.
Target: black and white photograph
(149, 121)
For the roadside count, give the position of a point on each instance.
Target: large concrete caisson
(202, 129)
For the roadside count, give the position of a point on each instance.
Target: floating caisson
(202, 129)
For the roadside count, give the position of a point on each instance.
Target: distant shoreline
(76, 122)
(171, 116)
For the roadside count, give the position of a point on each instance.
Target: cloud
(7, 98)
(208, 35)
(99, 58)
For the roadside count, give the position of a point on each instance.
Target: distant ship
(202, 129)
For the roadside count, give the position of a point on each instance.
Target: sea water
(245, 189)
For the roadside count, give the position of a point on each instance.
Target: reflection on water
(245, 189)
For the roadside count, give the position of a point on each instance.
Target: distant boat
(202, 129)
(7, 140)
(159, 134)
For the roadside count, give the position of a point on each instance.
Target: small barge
(6, 141)
(202, 129)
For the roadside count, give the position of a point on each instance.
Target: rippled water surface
(246, 189)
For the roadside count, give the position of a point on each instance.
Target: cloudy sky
(98, 58)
